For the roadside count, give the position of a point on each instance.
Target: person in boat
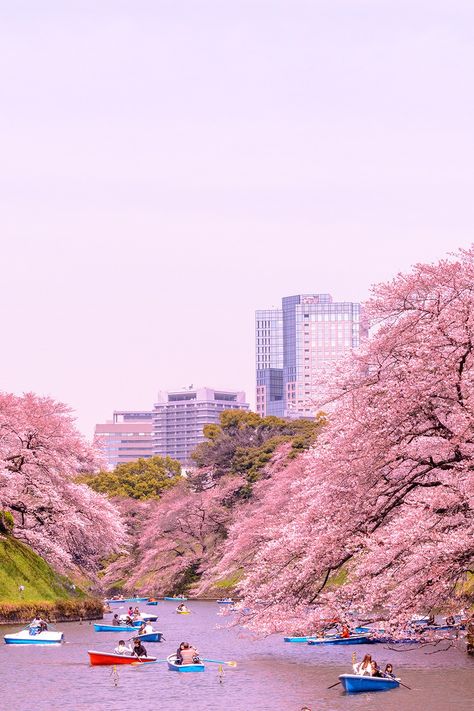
(138, 648)
(141, 629)
(122, 648)
(115, 620)
(431, 619)
(130, 611)
(182, 607)
(136, 612)
(364, 668)
(388, 672)
(179, 656)
(345, 632)
(374, 669)
(189, 655)
(450, 621)
(148, 628)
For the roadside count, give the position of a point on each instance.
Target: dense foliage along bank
(41, 455)
(387, 495)
(180, 537)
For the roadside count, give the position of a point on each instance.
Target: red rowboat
(100, 658)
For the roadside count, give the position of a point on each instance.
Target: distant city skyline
(169, 168)
(173, 427)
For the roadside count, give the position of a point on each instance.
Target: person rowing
(388, 672)
(145, 628)
(182, 607)
(138, 648)
(115, 621)
(189, 654)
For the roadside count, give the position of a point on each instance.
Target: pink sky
(168, 167)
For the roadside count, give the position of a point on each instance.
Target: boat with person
(298, 640)
(120, 601)
(108, 658)
(354, 683)
(339, 639)
(173, 666)
(32, 635)
(175, 599)
(114, 628)
(151, 637)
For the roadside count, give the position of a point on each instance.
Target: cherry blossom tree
(379, 515)
(180, 536)
(41, 454)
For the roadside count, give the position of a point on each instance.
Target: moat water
(270, 675)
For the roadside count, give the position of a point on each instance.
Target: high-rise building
(173, 428)
(127, 437)
(269, 362)
(311, 331)
(179, 418)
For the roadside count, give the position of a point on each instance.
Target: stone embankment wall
(59, 611)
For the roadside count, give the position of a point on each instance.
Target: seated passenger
(122, 649)
(388, 672)
(115, 621)
(179, 656)
(374, 670)
(364, 668)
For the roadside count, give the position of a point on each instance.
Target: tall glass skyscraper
(299, 341)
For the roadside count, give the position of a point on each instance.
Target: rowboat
(183, 612)
(127, 599)
(114, 628)
(353, 683)
(353, 639)
(297, 639)
(102, 658)
(151, 637)
(225, 602)
(144, 617)
(175, 599)
(32, 636)
(172, 666)
(152, 602)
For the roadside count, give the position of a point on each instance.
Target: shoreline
(13, 613)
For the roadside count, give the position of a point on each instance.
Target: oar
(140, 663)
(215, 661)
(333, 685)
(406, 687)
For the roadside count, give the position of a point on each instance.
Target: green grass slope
(19, 565)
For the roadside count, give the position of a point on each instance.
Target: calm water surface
(270, 676)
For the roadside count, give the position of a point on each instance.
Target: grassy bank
(19, 565)
(52, 595)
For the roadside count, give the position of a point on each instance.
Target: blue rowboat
(114, 628)
(175, 599)
(354, 683)
(353, 639)
(151, 637)
(146, 618)
(225, 602)
(172, 666)
(32, 636)
(152, 602)
(127, 599)
(297, 639)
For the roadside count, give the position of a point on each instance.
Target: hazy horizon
(170, 167)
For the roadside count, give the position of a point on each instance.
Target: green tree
(142, 479)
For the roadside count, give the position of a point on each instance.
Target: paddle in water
(216, 661)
